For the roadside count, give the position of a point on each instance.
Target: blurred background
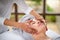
(49, 9)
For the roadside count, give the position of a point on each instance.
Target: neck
(41, 36)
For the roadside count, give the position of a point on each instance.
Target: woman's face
(38, 25)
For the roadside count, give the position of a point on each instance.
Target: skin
(40, 26)
(24, 26)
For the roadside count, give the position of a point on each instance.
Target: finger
(33, 31)
(29, 30)
(42, 21)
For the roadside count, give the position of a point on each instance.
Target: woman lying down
(40, 26)
(42, 34)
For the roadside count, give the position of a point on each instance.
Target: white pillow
(52, 34)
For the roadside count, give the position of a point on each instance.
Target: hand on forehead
(37, 24)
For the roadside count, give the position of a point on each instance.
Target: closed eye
(33, 22)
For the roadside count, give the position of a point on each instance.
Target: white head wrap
(26, 17)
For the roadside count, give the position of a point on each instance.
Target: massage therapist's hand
(38, 17)
(26, 28)
(20, 25)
